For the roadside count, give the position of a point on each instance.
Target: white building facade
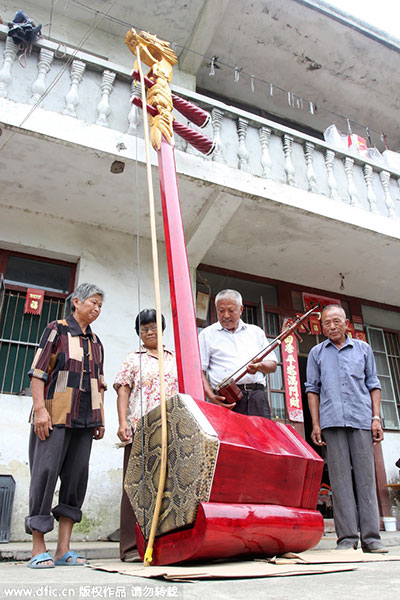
(275, 211)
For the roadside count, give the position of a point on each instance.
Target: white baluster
(103, 107)
(134, 113)
(309, 156)
(385, 179)
(351, 188)
(371, 197)
(266, 162)
(39, 86)
(243, 154)
(10, 54)
(72, 98)
(287, 149)
(329, 158)
(217, 116)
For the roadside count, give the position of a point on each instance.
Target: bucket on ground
(389, 523)
(7, 490)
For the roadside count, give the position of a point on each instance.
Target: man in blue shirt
(344, 395)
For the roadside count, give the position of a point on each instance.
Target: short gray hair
(331, 306)
(86, 290)
(229, 294)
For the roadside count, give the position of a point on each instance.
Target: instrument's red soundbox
(235, 485)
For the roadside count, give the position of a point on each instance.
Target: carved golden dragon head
(153, 52)
(158, 55)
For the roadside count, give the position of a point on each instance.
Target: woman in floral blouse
(139, 367)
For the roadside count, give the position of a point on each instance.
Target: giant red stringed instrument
(234, 485)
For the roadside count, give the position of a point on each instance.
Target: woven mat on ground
(306, 563)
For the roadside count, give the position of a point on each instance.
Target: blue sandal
(73, 556)
(36, 561)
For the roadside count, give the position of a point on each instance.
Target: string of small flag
(214, 63)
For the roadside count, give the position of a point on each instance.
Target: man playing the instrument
(344, 397)
(225, 346)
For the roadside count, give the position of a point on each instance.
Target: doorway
(325, 495)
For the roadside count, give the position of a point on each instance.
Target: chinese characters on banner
(312, 325)
(354, 330)
(294, 404)
(310, 300)
(315, 325)
(360, 335)
(34, 301)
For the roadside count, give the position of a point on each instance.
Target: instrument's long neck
(183, 313)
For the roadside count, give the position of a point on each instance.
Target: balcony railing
(95, 91)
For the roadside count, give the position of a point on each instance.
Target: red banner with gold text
(34, 301)
(294, 405)
(310, 300)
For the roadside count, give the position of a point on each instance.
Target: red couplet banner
(294, 405)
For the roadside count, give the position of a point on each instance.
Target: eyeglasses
(150, 328)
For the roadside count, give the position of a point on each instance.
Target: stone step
(92, 550)
(102, 550)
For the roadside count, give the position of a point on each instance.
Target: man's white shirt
(223, 352)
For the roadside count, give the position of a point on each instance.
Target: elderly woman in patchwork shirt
(67, 389)
(140, 367)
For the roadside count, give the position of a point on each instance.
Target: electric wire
(214, 61)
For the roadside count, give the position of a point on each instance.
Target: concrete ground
(366, 582)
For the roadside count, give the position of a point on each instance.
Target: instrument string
(139, 295)
(157, 294)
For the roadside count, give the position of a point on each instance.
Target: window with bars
(249, 314)
(386, 349)
(19, 337)
(19, 332)
(2, 291)
(393, 352)
(275, 381)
